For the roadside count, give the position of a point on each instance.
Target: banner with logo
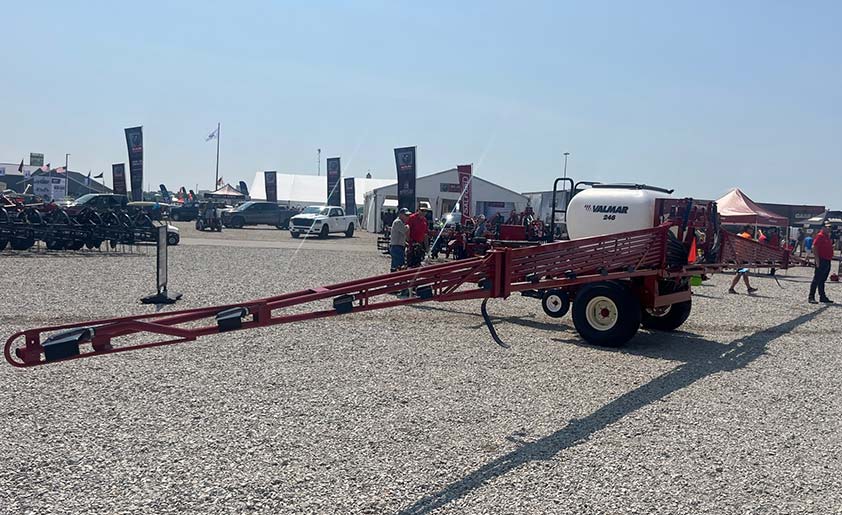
(350, 197)
(334, 173)
(49, 188)
(405, 164)
(465, 185)
(36, 159)
(270, 179)
(118, 178)
(134, 141)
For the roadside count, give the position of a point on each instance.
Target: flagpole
(216, 182)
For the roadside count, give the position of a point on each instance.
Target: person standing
(823, 249)
(397, 240)
(417, 223)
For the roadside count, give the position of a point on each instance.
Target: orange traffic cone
(691, 257)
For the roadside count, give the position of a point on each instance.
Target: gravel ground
(415, 410)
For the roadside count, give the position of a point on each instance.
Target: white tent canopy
(304, 190)
(438, 189)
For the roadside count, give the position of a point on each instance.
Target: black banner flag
(118, 178)
(405, 163)
(271, 181)
(334, 173)
(134, 142)
(350, 197)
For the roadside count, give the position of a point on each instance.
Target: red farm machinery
(615, 283)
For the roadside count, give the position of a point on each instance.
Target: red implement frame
(638, 255)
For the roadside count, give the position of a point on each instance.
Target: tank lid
(630, 186)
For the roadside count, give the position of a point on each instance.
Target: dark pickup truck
(256, 212)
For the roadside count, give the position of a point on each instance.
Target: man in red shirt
(417, 223)
(823, 249)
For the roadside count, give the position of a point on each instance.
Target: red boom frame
(638, 256)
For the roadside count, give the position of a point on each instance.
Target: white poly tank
(608, 210)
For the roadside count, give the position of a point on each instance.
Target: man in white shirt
(397, 240)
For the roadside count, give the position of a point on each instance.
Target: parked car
(257, 212)
(322, 220)
(154, 210)
(186, 212)
(99, 201)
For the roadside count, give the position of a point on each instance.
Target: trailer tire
(22, 243)
(606, 314)
(555, 303)
(669, 319)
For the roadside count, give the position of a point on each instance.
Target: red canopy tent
(736, 208)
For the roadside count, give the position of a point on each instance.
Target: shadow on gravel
(64, 254)
(701, 358)
(521, 320)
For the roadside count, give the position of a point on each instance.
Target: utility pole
(216, 182)
(319, 161)
(566, 154)
(66, 173)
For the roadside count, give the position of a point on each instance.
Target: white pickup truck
(322, 220)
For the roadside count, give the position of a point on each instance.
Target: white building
(304, 190)
(441, 190)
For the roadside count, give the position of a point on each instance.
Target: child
(742, 272)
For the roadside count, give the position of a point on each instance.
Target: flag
(213, 135)
(220, 182)
(45, 168)
(20, 168)
(98, 176)
(88, 179)
(61, 169)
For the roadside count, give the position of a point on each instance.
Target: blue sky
(697, 96)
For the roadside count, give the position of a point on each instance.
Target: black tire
(350, 232)
(21, 243)
(3, 244)
(75, 245)
(669, 318)
(176, 217)
(238, 222)
(325, 232)
(606, 314)
(173, 238)
(295, 234)
(555, 303)
(56, 244)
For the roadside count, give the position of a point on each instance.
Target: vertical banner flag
(334, 172)
(350, 197)
(118, 178)
(270, 179)
(134, 141)
(465, 183)
(405, 163)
